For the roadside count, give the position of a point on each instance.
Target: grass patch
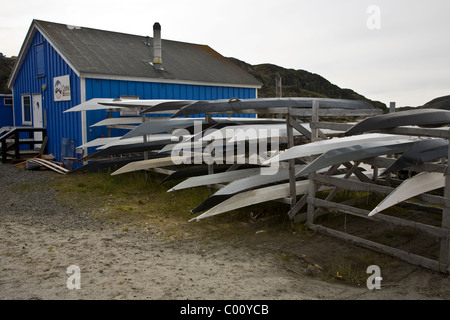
(353, 268)
(23, 188)
(139, 200)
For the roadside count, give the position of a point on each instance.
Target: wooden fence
(316, 206)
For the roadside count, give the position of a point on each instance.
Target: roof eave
(86, 75)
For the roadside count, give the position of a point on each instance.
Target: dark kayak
(420, 152)
(236, 105)
(417, 117)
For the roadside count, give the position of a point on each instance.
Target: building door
(38, 119)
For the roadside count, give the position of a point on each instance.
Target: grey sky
(406, 59)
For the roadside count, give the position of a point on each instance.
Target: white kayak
(257, 132)
(109, 103)
(249, 132)
(358, 152)
(150, 164)
(215, 178)
(319, 147)
(98, 142)
(418, 184)
(253, 197)
(118, 121)
(122, 142)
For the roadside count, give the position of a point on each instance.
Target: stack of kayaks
(248, 184)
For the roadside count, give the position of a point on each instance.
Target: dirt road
(40, 239)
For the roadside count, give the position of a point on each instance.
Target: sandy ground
(39, 240)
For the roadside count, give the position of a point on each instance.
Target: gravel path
(40, 239)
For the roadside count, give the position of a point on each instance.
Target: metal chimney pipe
(157, 55)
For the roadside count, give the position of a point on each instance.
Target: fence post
(16, 145)
(444, 255)
(392, 107)
(4, 145)
(290, 135)
(312, 183)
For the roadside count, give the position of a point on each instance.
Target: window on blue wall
(26, 110)
(40, 60)
(129, 112)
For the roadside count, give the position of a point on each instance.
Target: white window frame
(5, 99)
(25, 122)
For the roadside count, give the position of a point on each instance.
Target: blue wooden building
(60, 66)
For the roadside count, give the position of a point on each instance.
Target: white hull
(319, 147)
(95, 104)
(357, 152)
(98, 142)
(150, 164)
(256, 196)
(118, 121)
(253, 132)
(251, 197)
(215, 178)
(121, 142)
(418, 184)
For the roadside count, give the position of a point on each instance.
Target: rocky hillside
(299, 83)
(438, 103)
(6, 65)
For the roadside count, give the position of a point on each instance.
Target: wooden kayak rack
(309, 207)
(315, 207)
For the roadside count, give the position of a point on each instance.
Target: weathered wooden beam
(416, 131)
(383, 162)
(315, 119)
(334, 191)
(444, 254)
(361, 176)
(299, 127)
(297, 207)
(331, 126)
(406, 256)
(290, 136)
(352, 185)
(312, 184)
(362, 213)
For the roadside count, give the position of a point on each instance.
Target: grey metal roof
(93, 51)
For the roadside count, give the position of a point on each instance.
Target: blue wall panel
(6, 111)
(29, 81)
